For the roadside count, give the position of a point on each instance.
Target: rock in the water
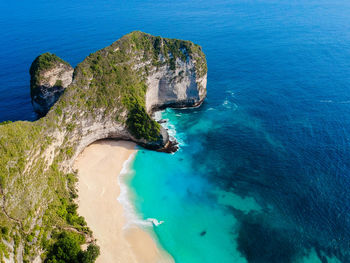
(50, 75)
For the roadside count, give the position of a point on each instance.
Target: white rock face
(61, 72)
(175, 88)
(51, 86)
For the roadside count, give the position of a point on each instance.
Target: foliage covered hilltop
(106, 99)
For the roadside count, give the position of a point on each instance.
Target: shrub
(58, 110)
(59, 83)
(67, 250)
(5, 122)
(4, 230)
(90, 255)
(141, 125)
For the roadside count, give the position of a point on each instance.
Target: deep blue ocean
(263, 170)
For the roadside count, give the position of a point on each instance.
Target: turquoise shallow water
(168, 188)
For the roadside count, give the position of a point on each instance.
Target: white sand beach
(99, 166)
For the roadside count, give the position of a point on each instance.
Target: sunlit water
(263, 170)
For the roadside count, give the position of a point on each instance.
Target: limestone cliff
(180, 86)
(112, 95)
(50, 75)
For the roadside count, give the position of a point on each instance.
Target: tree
(67, 250)
(90, 255)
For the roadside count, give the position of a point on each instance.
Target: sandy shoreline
(98, 168)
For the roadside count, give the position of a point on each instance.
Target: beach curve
(99, 167)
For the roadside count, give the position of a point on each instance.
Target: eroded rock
(50, 75)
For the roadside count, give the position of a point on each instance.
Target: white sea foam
(157, 115)
(132, 218)
(231, 93)
(173, 133)
(170, 127)
(155, 221)
(130, 214)
(339, 102)
(229, 104)
(226, 103)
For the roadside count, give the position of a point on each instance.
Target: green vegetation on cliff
(36, 200)
(67, 250)
(113, 75)
(38, 213)
(43, 63)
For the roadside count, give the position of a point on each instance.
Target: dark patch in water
(260, 243)
(203, 233)
(310, 204)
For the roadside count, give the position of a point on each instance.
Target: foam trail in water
(155, 221)
(231, 93)
(229, 105)
(158, 115)
(170, 127)
(331, 101)
(129, 211)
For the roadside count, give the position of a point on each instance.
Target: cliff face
(182, 86)
(112, 95)
(50, 75)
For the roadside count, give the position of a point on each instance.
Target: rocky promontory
(49, 75)
(111, 94)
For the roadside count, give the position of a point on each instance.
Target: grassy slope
(37, 199)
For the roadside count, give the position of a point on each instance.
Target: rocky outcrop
(173, 73)
(178, 88)
(112, 95)
(50, 75)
